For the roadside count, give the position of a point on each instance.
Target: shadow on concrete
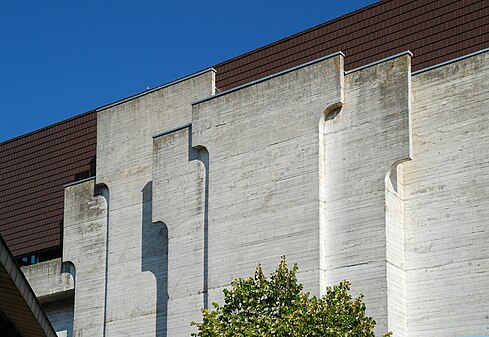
(201, 154)
(61, 315)
(155, 257)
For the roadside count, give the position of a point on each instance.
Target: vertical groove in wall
(103, 191)
(201, 154)
(204, 158)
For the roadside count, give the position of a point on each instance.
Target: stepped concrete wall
(376, 175)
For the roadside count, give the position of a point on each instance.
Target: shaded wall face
(7, 329)
(60, 314)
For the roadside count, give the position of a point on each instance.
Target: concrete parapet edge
(380, 61)
(159, 134)
(269, 77)
(450, 61)
(124, 100)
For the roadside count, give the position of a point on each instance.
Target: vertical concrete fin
(328, 116)
(395, 228)
(102, 190)
(341, 70)
(395, 250)
(85, 241)
(201, 154)
(360, 143)
(181, 203)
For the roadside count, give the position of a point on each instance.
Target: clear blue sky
(61, 58)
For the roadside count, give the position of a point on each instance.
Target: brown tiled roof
(35, 166)
(434, 31)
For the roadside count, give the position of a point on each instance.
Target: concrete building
(374, 169)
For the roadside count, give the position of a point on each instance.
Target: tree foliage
(278, 307)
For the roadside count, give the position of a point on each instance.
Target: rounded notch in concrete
(332, 111)
(392, 179)
(102, 190)
(69, 268)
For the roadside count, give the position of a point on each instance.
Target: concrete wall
(136, 261)
(50, 279)
(263, 146)
(362, 143)
(85, 237)
(446, 188)
(375, 176)
(60, 314)
(53, 283)
(179, 206)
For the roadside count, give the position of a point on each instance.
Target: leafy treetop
(278, 307)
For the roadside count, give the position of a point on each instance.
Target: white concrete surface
(375, 176)
(446, 202)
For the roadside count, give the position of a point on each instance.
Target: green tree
(278, 307)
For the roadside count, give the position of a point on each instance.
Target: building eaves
(17, 300)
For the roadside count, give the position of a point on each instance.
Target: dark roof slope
(17, 300)
(433, 30)
(34, 167)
